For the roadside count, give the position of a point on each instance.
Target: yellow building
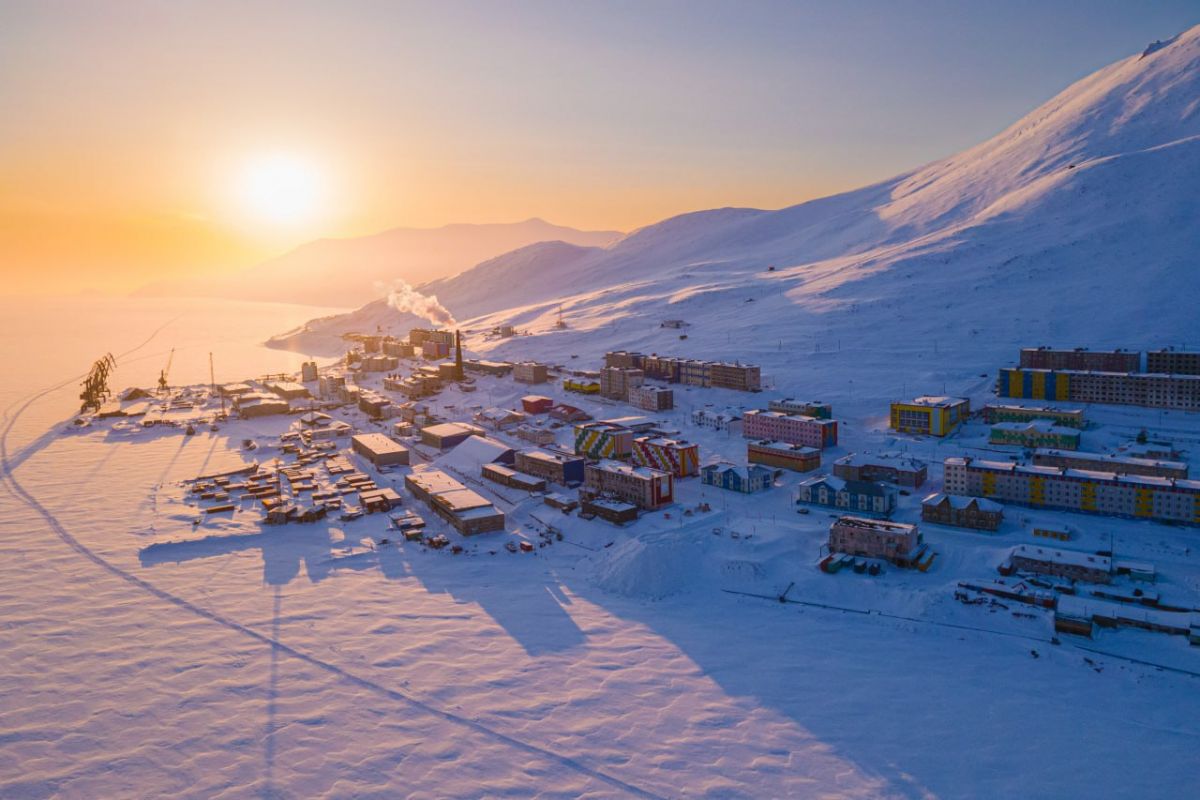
(936, 416)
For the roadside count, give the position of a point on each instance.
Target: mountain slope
(349, 272)
(1076, 225)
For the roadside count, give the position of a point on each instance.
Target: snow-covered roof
(473, 453)
(1058, 555)
(960, 502)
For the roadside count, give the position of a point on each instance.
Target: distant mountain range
(350, 272)
(1079, 224)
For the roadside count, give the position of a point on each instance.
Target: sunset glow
(282, 189)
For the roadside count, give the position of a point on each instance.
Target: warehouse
(681, 459)
(1111, 388)
(864, 497)
(567, 413)
(1036, 433)
(790, 428)
(1067, 417)
(468, 511)
(288, 390)
(615, 511)
(962, 512)
(1137, 496)
(448, 434)
(260, 404)
(897, 542)
(530, 372)
(936, 416)
(603, 440)
(1105, 462)
(1080, 358)
(506, 476)
(791, 405)
(536, 404)
(644, 487)
(497, 368)
(379, 449)
(651, 398)
(794, 457)
(893, 468)
(737, 478)
(1073, 564)
(551, 465)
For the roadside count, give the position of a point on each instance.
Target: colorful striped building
(603, 440)
(1069, 417)
(681, 459)
(1036, 433)
(1149, 390)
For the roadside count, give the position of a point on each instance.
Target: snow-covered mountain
(1079, 224)
(349, 272)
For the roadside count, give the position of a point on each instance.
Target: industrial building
(615, 382)
(651, 398)
(863, 497)
(551, 465)
(615, 511)
(260, 404)
(794, 457)
(288, 390)
(507, 476)
(892, 468)
(1036, 433)
(468, 511)
(448, 434)
(1173, 362)
(1081, 359)
(497, 368)
(1106, 462)
(530, 372)
(962, 512)
(1067, 417)
(935, 416)
(681, 459)
(790, 428)
(791, 405)
(308, 371)
(535, 435)
(1137, 496)
(1144, 389)
(897, 542)
(379, 449)
(1075, 565)
(644, 487)
(603, 440)
(737, 478)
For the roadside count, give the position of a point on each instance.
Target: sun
(281, 189)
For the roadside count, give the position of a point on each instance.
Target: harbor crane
(162, 376)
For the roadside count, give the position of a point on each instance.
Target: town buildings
(615, 382)
(1105, 462)
(288, 390)
(448, 434)
(1067, 417)
(644, 487)
(727, 420)
(468, 511)
(691, 372)
(603, 440)
(534, 435)
(567, 413)
(935, 416)
(794, 457)
(790, 428)
(551, 465)
(530, 372)
(536, 404)
(1137, 496)
(507, 476)
(308, 371)
(615, 511)
(897, 542)
(651, 398)
(863, 497)
(1150, 390)
(1080, 358)
(681, 459)
(1036, 433)
(892, 468)
(496, 368)
(1062, 563)
(736, 478)
(805, 408)
(740, 377)
(1173, 362)
(581, 385)
(379, 449)
(962, 512)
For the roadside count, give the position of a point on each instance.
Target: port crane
(162, 376)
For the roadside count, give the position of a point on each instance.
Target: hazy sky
(128, 129)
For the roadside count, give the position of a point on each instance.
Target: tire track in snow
(21, 493)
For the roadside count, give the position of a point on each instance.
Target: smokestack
(458, 367)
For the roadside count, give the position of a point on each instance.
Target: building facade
(791, 405)
(862, 497)
(551, 465)
(379, 449)
(651, 398)
(1080, 358)
(736, 478)
(790, 428)
(898, 469)
(1173, 362)
(1105, 462)
(935, 416)
(897, 542)
(644, 487)
(1066, 417)
(603, 440)
(1038, 433)
(1149, 390)
(1136, 496)
(530, 372)
(1075, 565)
(681, 459)
(615, 382)
(781, 455)
(962, 512)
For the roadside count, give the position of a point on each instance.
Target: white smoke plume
(403, 297)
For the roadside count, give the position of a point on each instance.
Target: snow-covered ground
(144, 656)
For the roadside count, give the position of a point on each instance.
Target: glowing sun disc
(281, 189)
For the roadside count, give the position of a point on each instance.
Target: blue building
(860, 497)
(737, 478)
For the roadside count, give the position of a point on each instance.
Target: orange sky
(126, 126)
